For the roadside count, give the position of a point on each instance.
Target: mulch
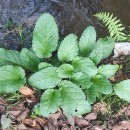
(99, 118)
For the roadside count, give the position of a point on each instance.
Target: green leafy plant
(113, 24)
(72, 80)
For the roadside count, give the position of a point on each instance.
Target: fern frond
(113, 24)
(128, 38)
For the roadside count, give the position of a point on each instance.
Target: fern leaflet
(113, 24)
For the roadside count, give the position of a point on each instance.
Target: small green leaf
(68, 49)
(82, 79)
(45, 36)
(50, 102)
(85, 65)
(108, 70)
(106, 45)
(122, 90)
(36, 111)
(43, 65)
(73, 100)
(29, 59)
(87, 41)
(65, 70)
(45, 78)
(102, 84)
(91, 95)
(96, 55)
(11, 78)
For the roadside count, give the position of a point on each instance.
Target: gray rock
(121, 49)
(72, 16)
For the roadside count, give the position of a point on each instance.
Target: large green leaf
(29, 59)
(108, 70)
(65, 70)
(45, 36)
(68, 49)
(9, 57)
(50, 102)
(11, 78)
(106, 45)
(45, 78)
(122, 90)
(85, 65)
(102, 84)
(73, 100)
(82, 79)
(87, 40)
(96, 55)
(25, 58)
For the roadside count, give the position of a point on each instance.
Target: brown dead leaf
(38, 123)
(13, 114)
(22, 127)
(2, 101)
(19, 106)
(82, 122)
(26, 91)
(91, 116)
(19, 115)
(67, 128)
(97, 128)
(55, 116)
(24, 113)
(41, 121)
(3, 106)
(32, 124)
(53, 120)
(123, 125)
(127, 112)
(29, 122)
(120, 76)
(122, 110)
